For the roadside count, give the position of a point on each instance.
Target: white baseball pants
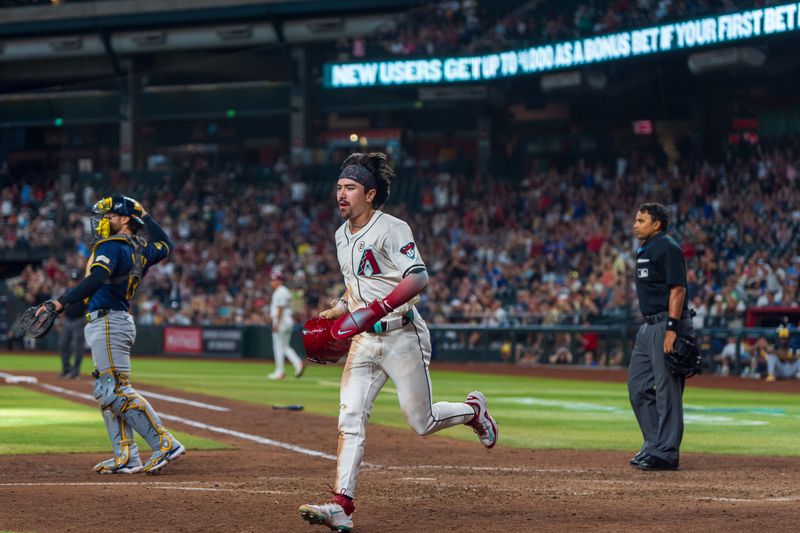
(403, 356)
(282, 350)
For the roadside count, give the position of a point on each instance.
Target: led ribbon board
(684, 35)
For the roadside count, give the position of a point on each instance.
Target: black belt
(98, 313)
(663, 315)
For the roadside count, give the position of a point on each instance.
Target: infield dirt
(415, 484)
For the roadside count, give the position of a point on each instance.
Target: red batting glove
(360, 320)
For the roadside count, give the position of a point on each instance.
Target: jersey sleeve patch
(103, 259)
(409, 250)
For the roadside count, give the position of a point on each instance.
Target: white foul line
(175, 399)
(248, 436)
(68, 392)
(11, 378)
(164, 486)
(208, 427)
(307, 451)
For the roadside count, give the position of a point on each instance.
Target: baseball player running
(384, 274)
(116, 266)
(282, 325)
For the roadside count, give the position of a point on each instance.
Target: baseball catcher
(118, 262)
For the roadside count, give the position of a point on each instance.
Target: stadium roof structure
(132, 14)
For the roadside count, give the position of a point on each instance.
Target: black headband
(359, 174)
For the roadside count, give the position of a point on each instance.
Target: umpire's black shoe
(636, 459)
(650, 462)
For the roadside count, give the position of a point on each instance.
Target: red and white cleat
(333, 514)
(483, 424)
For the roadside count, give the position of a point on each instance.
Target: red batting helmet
(320, 345)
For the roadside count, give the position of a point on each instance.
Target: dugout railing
(537, 344)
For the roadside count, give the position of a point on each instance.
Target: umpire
(70, 338)
(656, 393)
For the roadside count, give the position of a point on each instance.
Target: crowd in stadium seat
(471, 26)
(548, 249)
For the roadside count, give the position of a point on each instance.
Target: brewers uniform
(373, 261)
(117, 264)
(281, 314)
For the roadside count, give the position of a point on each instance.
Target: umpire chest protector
(138, 261)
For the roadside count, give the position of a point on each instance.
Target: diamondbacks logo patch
(368, 266)
(410, 250)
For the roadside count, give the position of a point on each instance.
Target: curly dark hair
(378, 164)
(657, 212)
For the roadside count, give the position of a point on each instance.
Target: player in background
(282, 325)
(384, 273)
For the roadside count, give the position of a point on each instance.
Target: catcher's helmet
(120, 205)
(320, 345)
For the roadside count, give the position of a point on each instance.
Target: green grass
(532, 412)
(33, 422)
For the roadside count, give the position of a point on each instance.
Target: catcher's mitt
(35, 326)
(684, 359)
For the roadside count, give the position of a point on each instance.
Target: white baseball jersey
(373, 262)
(376, 258)
(281, 299)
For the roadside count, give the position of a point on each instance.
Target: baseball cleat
(276, 376)
(110, 466)
(299, 371)
(160, 459)
(482, 423)
(328, 514)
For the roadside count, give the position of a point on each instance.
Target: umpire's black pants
(655, 393)
(70, 342)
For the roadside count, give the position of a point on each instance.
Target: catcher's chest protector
(138, 261)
